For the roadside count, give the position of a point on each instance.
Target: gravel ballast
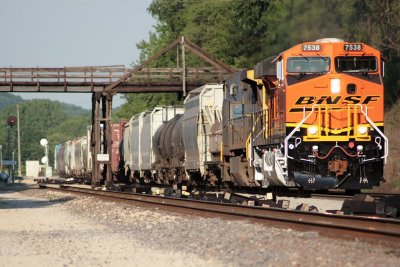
(47, 228)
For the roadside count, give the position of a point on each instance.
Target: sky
(59, 33)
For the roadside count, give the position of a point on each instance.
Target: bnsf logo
(355, 99)
(308, 100)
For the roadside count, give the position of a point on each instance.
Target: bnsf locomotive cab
(328, 97)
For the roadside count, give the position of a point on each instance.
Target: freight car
(202, 134)
(142, 145)
(174, 144)
(74, 158)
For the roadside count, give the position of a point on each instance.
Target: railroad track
(293, 193)
(367, 228)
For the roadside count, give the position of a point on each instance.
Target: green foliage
(205, 23)
(244, 32)
(73, 127)
(392, 82)
(375, 22)
(167, 30)
(73, 110)
(378, 23)
(170, 13)
(40, 119)
(157, 42)
(137, 103)
(224, 28)
(7, 99)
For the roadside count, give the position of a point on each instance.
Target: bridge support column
(95, 140)
(101, 139)
(107, 144)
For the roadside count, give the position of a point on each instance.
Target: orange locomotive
(317, 123)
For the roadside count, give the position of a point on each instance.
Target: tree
(41, 119)
(378, 23)
(7, 99)
(244, 32)
(204, 22)
(139, 102)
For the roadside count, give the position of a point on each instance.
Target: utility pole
(183, 66)
(19, 144)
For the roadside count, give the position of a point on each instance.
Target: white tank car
(151, 122)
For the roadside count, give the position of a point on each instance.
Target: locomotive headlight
(313, 130)
(314, 148)
(335, 86)
(360, 148)
(362, 130)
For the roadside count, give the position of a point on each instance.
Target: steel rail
(348, 197)
(334, 196)
(372, 228)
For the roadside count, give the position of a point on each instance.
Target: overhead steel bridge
(118, 79)
(97, 79)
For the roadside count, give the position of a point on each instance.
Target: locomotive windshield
(308, 64)
(356, 64)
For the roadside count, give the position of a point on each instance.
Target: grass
(396, 183)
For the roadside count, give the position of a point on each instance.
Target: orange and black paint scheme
(319, 120)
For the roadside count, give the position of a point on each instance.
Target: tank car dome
(330, 40)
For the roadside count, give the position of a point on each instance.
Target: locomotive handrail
(249, 154)
(305, 117)
(386, 152)
(286, 145)
(324, 118)
(251, 138)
